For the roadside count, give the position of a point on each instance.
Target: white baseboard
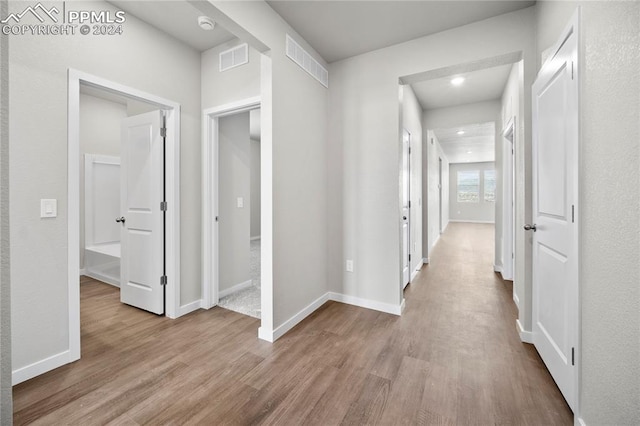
(83, 271)
(402, 305)
(189, 307)
(40, 367)
(293, 321)
(366, 303)
(578, 421)
(497, 268)
(102, 277)
(435, 241)
(525, 336)
(415, 271)
(425, 260)
(235, 288)
(473, 221)
(444, 228)
(257, 237)
(516, 300)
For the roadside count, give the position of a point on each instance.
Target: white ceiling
(481, 85)
(341, 29)
(479, 139)
(178, 19)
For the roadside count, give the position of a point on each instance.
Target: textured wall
(6, 410)
(609, 207)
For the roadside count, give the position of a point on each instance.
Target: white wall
(142, 57)
(609, 206)
(254, 151)
(411, 121)
(445, 118)
(363, 159)
(432, 154)
(482, 211)
(100, 134)
(234, 222)
(6, 408)
(295, 105)
(220, 88)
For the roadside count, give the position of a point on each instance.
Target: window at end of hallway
(468, 186)
(490, 185)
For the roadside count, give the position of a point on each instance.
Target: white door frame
(508, 203)
(172, 176)
(210, 234)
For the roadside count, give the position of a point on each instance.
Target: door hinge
(409, 150)
(163, 132)
(216, 218)
(409, 203)
(573, 214)
(163, 206)
(163, 280)
(409, 258)
(573, 356)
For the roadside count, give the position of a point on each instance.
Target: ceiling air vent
(234, 57)
(300, 56)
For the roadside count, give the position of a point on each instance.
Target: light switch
(48, 208)
(349, 265)
(240, 202)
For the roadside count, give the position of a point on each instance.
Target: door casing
(172, 176)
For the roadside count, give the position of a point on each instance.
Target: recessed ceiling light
(206, 23)
(468, 152)
(461, 132)
(457, 81)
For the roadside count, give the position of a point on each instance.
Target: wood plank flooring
(453, 357)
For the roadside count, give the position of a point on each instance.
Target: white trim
(367, 303)
(189, 307)
(294, 320)
(83, 271)
(516, 300)
(425, 260)
(40, 367)
(525, 336)
(577, 421)
(497, 268)
(210, 285)
(234, 289)
(257, 237)
(172, 175)
(403, 305)
(102, 278)
(472, 221)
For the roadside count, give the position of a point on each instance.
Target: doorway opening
(406, 208)
(137, 180)
(236, 200)
(508, 204)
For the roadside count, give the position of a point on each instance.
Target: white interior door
(406, 191)
(142, 220)
(555, 248)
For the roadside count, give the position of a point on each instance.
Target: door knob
(528, 227)
(120, 219)
(404, 218)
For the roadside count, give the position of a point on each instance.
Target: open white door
(142, 275)
(555, 231)
(406, 206)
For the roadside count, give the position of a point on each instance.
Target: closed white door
(555, 191)
(406, 207)
(142, 192)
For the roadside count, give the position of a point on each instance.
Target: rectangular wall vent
(301, 57)
(234, 57)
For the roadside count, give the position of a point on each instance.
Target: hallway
(454, 357)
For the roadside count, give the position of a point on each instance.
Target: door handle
(528, 227)
(120, 219)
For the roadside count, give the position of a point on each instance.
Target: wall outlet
(349, 265)
(240, 202)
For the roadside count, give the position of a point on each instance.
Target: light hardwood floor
(454, 357)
